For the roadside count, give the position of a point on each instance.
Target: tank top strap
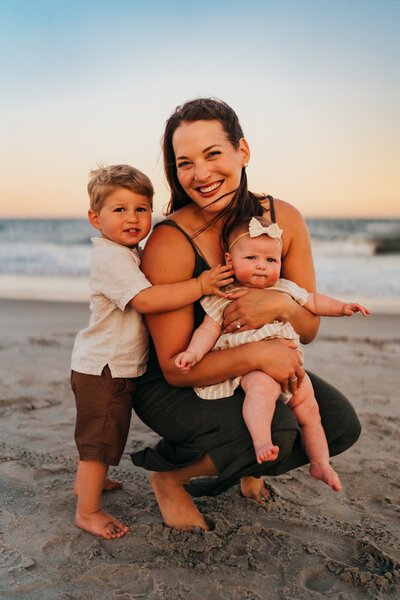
(271, 209)
(172, 223)
(200, 262)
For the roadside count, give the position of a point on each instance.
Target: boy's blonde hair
(104, 180)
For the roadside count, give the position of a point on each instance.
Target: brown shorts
(103, 407)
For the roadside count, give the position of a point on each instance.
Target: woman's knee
(285, 440)
(341, 424)
(346, 438)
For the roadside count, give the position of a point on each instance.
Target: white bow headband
(256, 229)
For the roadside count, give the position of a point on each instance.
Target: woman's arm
(168, 258)
(257, 307)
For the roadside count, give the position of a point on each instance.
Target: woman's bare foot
(325, 473)
(101, 524)
(176, 505)
(253, 487)
(265, 450)
(109, 485)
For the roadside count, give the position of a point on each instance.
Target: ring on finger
(294, 380)
(238, 325)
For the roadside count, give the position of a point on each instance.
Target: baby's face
(256, 261)
(124, 218)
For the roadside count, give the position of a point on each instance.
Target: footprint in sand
(368, 569)
(13, 566)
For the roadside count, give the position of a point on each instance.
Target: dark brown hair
(243, 203)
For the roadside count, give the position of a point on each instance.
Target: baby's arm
(203, 339)
(171, 296)
(324, 306)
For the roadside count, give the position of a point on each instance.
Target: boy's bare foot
(265, 451)
(109, 485)
(101, 524)
(176, 505)
(253, 487)
(325, 473)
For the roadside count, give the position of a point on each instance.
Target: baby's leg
(258, 409)
(305, 408)
(89, 514)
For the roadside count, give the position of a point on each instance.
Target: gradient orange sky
(316, 86)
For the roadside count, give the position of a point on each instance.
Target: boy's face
(124, 218)
(256, 261)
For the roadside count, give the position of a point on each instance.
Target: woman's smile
(209, 190)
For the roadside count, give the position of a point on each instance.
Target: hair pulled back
(243, 203)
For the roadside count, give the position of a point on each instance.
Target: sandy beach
(306, 543)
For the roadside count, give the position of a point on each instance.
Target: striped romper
(214, 306)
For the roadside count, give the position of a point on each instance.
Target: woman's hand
(252, 308)
(280, 359)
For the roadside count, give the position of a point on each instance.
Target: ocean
(355, 259)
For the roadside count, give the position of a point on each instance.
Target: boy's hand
(352, 307)
(185, 361)
(212, 280)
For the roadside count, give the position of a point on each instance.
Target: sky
(316, 86)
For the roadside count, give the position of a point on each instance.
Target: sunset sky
(316, 85)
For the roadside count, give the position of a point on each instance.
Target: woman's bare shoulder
(295, 232)
(287, 212)
(167, 255)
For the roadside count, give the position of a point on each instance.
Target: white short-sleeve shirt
(116, 335)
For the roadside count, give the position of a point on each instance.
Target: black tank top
(200, 265)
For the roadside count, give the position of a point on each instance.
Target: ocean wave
(45, 259)
(347, 258)
(362, 275)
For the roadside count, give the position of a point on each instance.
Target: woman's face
(207, 164)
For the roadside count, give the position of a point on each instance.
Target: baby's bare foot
(176, 505)
(254, 488)
(109, 485)
(265, 451)
(101, 524)
(325, 473)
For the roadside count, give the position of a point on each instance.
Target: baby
(255, 247)
(111, 353)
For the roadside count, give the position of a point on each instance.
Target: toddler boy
(111, 352)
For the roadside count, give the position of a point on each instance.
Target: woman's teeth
(210, 188)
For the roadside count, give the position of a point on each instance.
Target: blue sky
(316, 85)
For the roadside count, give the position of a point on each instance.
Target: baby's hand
(212, 280)
(352, 307)
(185, 361)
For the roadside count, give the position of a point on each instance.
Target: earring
(246, 165)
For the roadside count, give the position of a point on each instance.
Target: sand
(307, 542)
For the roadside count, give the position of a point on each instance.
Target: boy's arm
(324, 306)
(203, 339)
(171, 296)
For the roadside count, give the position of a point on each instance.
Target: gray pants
(191, 427)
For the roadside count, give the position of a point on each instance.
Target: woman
(205, 157)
